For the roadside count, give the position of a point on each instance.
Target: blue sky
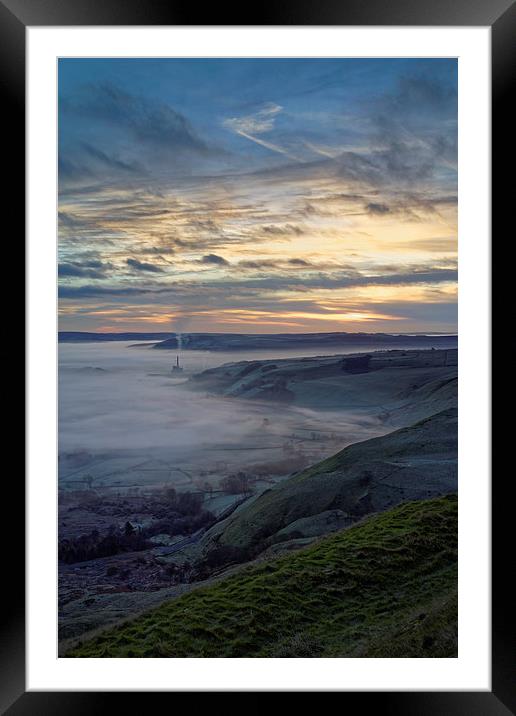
(258, 195)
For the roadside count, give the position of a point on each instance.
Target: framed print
(259, 350)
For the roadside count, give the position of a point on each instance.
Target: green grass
(385, 587)
(348, 479)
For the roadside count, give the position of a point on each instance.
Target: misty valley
(179, 468)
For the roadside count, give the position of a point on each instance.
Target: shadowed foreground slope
(385, 587)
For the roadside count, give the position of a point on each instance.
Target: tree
(189, 503)
(171, 494)
(236, 484)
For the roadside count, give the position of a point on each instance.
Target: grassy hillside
(403, 386)
(413, 463)
(384, 587)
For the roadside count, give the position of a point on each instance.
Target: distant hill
(403, 385)
(386, 587)
(249, 342)
(413, 463)
(286, 341)
(81, 337)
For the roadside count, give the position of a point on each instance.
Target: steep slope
(408, 464)
(384, 587)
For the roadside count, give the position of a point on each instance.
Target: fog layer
(126, 419)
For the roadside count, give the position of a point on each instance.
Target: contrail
(268, 145)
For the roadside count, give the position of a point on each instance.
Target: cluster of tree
(183, 515)
(237, 484)
(185, 503)
(180, 524)
(95, 545)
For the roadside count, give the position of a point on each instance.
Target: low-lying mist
(127, 418)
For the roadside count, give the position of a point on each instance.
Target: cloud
(150, 121)
(258, 264)
(68, 169)
(142, 266)
(266, 285)
(111, 136)
(204, 225)
(69, 220)
(439, 244)
(377, 209)
(96, 264)
(85, 162)
(86, 269)
(284, 264)
(282, 230)
(350, 279)
(417, 96)
(91, 291)
(409, 138)
(112, 162)
(214, 259)
(157, 251)
(298, 262)
(415, 133)
(257, 124)
(271, 221)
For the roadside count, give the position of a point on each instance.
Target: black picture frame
(500, 15)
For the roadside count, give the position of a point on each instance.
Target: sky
(258, 195)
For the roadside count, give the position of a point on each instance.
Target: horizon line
(281, 333)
